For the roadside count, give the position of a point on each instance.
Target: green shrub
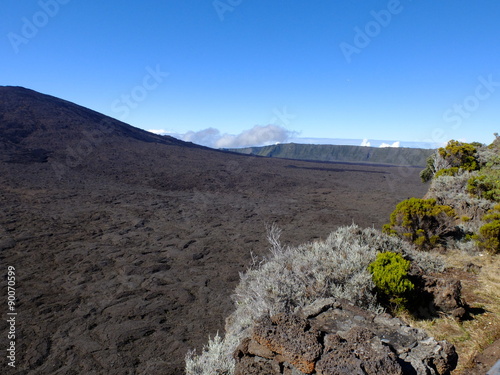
(453, 171)
(493, 214)
(421, 221)
(486, 185)
(460, 155)
(489, 234)
(456, 157)
(489, 238)
(390, 275)
(427, 174)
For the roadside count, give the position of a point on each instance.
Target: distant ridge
(415, 157)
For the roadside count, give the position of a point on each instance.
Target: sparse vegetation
(452, 191)
(421, 221)
(466, 177)
(293, 277)
(455, 158)
(460, 155)
(458, 213)
(390, 275)
(490, 237)
(481, 289)
(489, 234)
(213, 360)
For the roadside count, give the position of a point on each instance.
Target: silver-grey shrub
(488, 157)
(452, 191)
(294, 277)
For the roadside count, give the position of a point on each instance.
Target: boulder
(446, 295)
(332, 337)
(436, 294)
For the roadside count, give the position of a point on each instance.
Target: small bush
(421, 221)
(214, 359)
(489, 234)
(427, 174)
(486, 185)
(493, 214)
(460, 155)
(452, 191)
(453, 171)
(489, 157)
(489, 238)
(390, 275)
(452, 160)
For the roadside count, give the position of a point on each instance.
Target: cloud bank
(395, 144)
(367, 143)
(257, 136)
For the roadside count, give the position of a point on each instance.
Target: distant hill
(353, 154)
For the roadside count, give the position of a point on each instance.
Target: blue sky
(408, 70)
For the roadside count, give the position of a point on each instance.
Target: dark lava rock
(436, 294)
(292, 337)
(335, 337)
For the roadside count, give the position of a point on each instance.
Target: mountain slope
(338, 153)
(51, 125)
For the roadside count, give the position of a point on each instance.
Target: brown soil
(127, 246)
(486, 360)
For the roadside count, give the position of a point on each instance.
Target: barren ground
(124, 265)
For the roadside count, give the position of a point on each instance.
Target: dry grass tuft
(481, 290)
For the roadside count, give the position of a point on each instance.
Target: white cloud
(365, 143)
(205, 137)
(158, 131)
(257, 136)
(395, 144)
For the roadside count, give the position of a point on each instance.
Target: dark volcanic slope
(127, 245)
(30, 121)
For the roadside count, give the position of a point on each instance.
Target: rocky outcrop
(335, 337)
(436, 294)
(446, 296)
